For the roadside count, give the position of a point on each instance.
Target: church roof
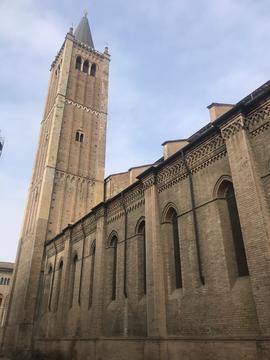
(83, 32)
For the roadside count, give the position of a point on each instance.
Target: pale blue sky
(170, 59)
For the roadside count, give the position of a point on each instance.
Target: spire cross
(85, 13)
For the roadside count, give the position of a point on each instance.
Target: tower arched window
(238, 242)
(92, 272)
(78, 63)
(73, 279)
(79, 136)
(142, 257)
(86, 67)
(59, 282)
(1, 300)
(113, 245)
(93, 70)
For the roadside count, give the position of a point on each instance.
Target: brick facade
(83, 296)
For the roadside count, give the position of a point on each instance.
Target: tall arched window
(177, 258)
(93, 70)
(240, 254)
(72, 279)
(86, 67)
(142, 257)
(78, 63)
(1, 301)
(1, 281)
(59, 282)
(113, 245)
(47, 288)
(173, 249)
(92, 272)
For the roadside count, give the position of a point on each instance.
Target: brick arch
(139, 222)
(93, 247)
(167, 211)
(220, 185)
(111, 236)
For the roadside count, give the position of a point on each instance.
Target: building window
(92, 273)
(177, 258)
(79, 136)
(86, 67)
(93, 70)
(58, 287)
(78, 63)
(171, 232)
(113, 245)
(142, 258)
(72, 279)
(240, 254)
(1, 301)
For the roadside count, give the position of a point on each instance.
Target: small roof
(83, 32)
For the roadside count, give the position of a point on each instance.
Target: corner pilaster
(253, 212)
(156, 306)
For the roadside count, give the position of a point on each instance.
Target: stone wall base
(150, 349)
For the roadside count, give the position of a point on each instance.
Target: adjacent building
(6, 271)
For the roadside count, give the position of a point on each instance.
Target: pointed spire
(83, 32)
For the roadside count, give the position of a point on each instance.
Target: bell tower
(68, 175)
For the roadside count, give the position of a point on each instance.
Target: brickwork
(98, 287)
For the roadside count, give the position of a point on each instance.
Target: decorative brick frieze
(94, 52)
(233, 127)
(206, 154)
(100, 212)
(149, 181)
(259, 120)
(197, 159)
(85, 108)
(61, 174)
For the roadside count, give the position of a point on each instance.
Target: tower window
(93, 70)
(79, 136)
(86, 67)
(78, 63)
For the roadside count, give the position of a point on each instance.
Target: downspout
(125, 246)
(195, 220)
(53, 275)
(83, 251)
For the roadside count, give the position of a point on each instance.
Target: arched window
(113, 245)
(8, 281)
(93, 70)
(79, 136)
(78, 63)
(1, 281)
(47, 287)
(86, 67)
(92, 272)
(59, 282)
(1, 301)
(240, 254)
(72, 279)
(173, 249)
(142, 257)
